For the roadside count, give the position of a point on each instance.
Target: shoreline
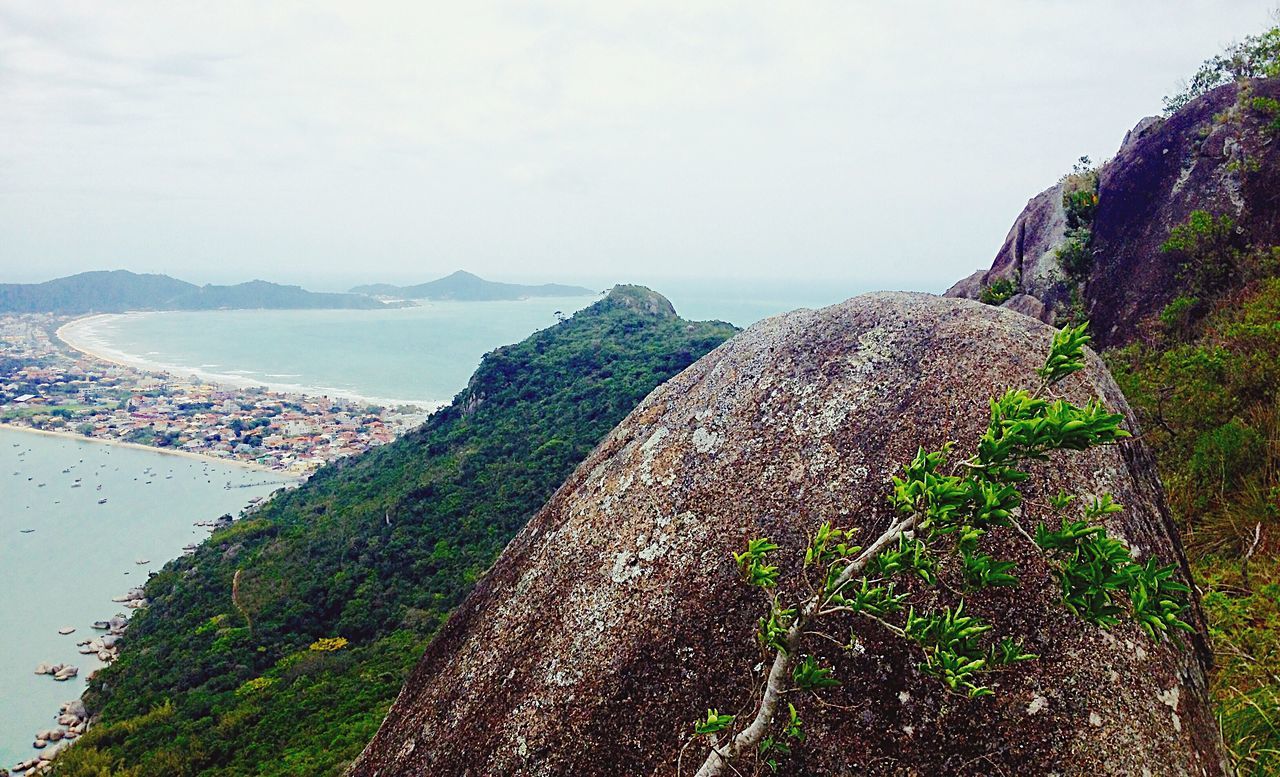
(154, 449)
(136, 526)
(70, 335)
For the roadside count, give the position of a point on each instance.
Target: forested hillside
(279, 645)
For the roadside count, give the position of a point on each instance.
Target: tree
(950, 509)
(1257, 56)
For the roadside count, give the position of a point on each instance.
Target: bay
(422, 355)
(81, 553)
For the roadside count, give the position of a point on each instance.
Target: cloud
(861, 140)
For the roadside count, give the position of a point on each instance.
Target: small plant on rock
(998, 291)
(947, 506)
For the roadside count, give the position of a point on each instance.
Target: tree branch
(779, 676)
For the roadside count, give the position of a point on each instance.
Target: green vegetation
(1080, 199)
(1206, 385)
(1075, 254)
(1213, 259)
(1080, 193)
(998, 291)
(1257, 56)
(947, 509)
(1270, 108)
(1209, 250)
(278, 647)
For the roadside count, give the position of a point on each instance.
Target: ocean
(64, 556)
(422, 355)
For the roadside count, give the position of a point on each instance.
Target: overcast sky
(872, 143)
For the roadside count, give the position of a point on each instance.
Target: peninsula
(117, 291)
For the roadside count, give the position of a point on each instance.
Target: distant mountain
(467, 287)
(261, 294)
(119, 290)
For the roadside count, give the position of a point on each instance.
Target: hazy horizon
(329, 145)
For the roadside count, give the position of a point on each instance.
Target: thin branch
(779, 673)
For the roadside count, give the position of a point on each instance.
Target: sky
(874, 144)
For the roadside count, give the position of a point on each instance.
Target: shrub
(1257, 56)
(1177, 316)
(1209, 247)
(1270, 108)
(1074, 255)
(1211, 412)
(998, 291)
(328, 644)
(1225, 454)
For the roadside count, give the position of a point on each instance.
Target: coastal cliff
(1217, 154)
(616, 617)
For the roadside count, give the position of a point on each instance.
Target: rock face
(616, 618)
(1216, 154)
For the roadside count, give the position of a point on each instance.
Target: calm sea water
(82, 553)
(422, 354)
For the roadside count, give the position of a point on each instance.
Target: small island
(463, 286)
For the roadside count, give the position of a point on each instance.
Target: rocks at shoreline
(221, 522)
(73, 717)
(73, 720)
(60, 672)
(106, 647)
(133, 598)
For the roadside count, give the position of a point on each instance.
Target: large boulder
(617, 616)
(1217, 154)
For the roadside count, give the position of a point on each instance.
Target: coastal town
(47, 386)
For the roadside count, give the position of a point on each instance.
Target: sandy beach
(83, 335)
(153, 449)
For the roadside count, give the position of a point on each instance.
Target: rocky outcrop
(1216, 154)
(1028, 255)
(616, 617)
(641, 299)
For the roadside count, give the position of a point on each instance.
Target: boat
(102, 501)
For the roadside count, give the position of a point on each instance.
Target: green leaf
(1066, 354)
(713, 723)
(809, 675)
